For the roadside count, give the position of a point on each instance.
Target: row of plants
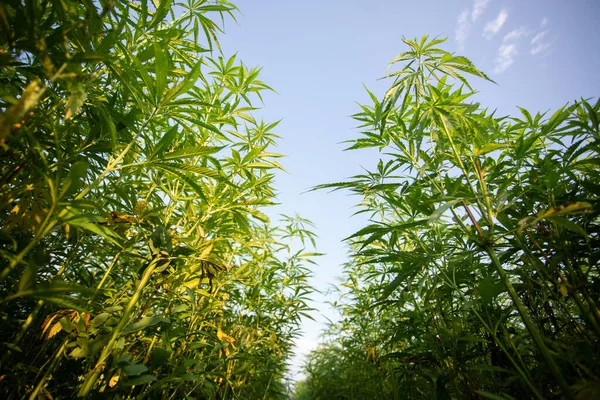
(136, 260)
(478, 274)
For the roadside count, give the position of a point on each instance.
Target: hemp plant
(478, 274)
(136, 260)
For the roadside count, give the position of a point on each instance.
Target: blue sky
(318, 54)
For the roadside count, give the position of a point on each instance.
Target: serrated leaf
(185, 179)
(488, 148)
(190, 152)
(161, 12)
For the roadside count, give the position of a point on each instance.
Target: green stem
(519, 367)
(105, 276)
(93, 375)
(531, 328)
(464, 171)
(51, 367)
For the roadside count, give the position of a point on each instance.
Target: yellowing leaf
(563, 289)
(489, 147)
(57, 327)
(113, 381)
(225, 337)
(29, 99)
(192, 284)
(206, 252)
(76, 100)
(140, 206)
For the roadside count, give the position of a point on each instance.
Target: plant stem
(531, 328)
(51, 367)
(93, 375)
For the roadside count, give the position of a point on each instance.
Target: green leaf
(140, 380)
(188, 82)
(134, 369)
(75, 181)
(58, 292)
(144, 323)
(27, 280)
(489, 147)
(406, 273)
(13, 346)
(165, 142)
(162, 68)
(567, 224)
(100, 319)
(159, 357)
(190, 378)
(141, 70)
(185, 179)
(92, 223)
(190, 152)
(191, 168)
(161, 13)
(123, 360)
(109, 125)
(437, 214)
(161, 239)
(488, 289)
(384, 229)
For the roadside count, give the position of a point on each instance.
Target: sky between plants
(318, 54)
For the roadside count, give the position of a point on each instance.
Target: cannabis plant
(136, 257)
(478, 276)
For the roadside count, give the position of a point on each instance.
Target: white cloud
(538, 44)
(479, 8)
(544, 22)
(540, 48)
(462, 29)
(508, 51)
(506, 57)
(515, 34)
(493, 27)
(537, 38)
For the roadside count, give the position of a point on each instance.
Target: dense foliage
(136, 260)
(479, 274)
